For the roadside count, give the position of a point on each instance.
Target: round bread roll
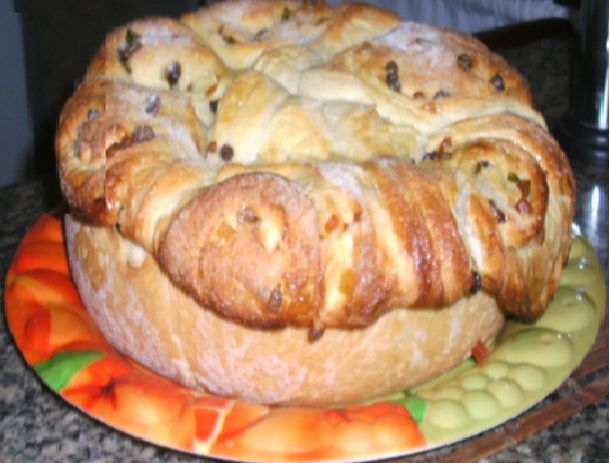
(304, 180)
(147, 317)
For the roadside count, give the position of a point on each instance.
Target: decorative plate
(524, 364)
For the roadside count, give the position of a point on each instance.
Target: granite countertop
(38, 426)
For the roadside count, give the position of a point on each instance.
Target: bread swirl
(291, 164)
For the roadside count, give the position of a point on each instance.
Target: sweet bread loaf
(296, 168)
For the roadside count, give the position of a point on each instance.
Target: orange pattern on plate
(57, 337)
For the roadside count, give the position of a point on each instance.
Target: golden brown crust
(332, 168)
(433, 65)
(251, 242)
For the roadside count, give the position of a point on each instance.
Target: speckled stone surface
(37, 426)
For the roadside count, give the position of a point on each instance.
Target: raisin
(131, 45)
(500, 216)
(142, 133)
(476, 283)
(464, 62)
(172, 73)
(213, 106)
(437, 156)
(441, 94)
(498, 82)
(226, 152)
(393, 83)
(229, 39)
(391, 78)
(391, 67)
(131, 36)
(152, 104)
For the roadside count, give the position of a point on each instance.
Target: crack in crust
(319, 167)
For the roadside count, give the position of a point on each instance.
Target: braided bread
(290, 164)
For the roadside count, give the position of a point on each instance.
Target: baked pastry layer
(291, 164)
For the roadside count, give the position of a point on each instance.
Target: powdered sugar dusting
(419, 42)
(342, 175)
(408, 34)
(160, 38)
